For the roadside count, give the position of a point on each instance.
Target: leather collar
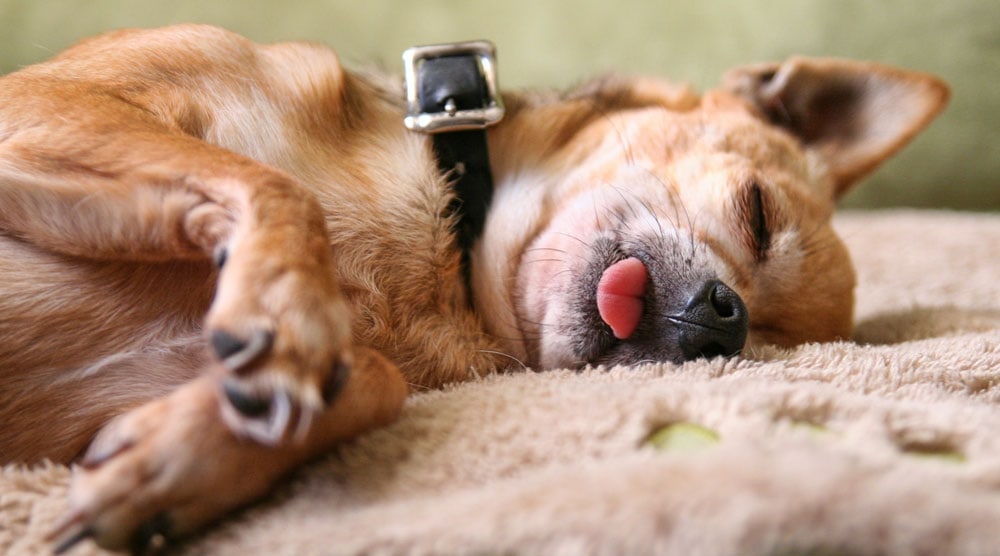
(452, 94)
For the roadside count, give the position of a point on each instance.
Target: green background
(955, 164)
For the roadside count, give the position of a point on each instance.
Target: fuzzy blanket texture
(886, 444)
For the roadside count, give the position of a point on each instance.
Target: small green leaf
(812, 429)
(944, 456)
(682, 438)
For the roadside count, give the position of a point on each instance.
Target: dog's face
(634, 222)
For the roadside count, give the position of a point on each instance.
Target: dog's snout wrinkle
(714, 322)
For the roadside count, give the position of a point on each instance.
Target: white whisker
(508, 356)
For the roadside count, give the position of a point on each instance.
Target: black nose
(713, 323)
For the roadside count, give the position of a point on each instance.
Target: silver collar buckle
(452, 119)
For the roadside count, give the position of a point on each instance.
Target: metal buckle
(451, 120)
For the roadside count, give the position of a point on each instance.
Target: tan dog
(221, 258)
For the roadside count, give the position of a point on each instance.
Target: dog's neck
(451, 93)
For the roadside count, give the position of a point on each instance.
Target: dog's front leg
(278, 325)
(171, 466)
(278, 322)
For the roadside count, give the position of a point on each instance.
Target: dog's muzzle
(700, 318)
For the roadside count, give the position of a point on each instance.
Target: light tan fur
(130, 162)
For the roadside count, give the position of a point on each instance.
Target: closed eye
(754, 208)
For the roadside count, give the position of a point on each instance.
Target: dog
(219, 259)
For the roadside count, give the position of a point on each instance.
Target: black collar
(451, 93)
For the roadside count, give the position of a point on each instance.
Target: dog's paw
(281, 329)
(161, 471)
(171, 466)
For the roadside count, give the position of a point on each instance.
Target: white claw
(269, 432)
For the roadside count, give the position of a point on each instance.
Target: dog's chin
(576, 334)
(558, 309)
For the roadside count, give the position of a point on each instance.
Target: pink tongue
(619, 296)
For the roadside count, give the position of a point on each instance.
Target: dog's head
(635, 221)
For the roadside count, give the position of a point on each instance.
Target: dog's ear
(854, 114)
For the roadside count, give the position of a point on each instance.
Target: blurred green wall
(557, 43)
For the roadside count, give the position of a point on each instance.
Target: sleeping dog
(218, 259)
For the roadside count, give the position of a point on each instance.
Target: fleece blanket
(888, 443)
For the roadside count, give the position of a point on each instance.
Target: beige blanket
(886, 445)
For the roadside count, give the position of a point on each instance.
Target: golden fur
(135, 165)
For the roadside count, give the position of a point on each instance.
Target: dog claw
(267, 422)
(246, 404)
(103, 448)
(221, 256)
(335, 381)
(71, 531)
(151, 534)
(72, 540)
(237, 354)
(92, 460)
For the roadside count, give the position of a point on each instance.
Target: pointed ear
(854, 114)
